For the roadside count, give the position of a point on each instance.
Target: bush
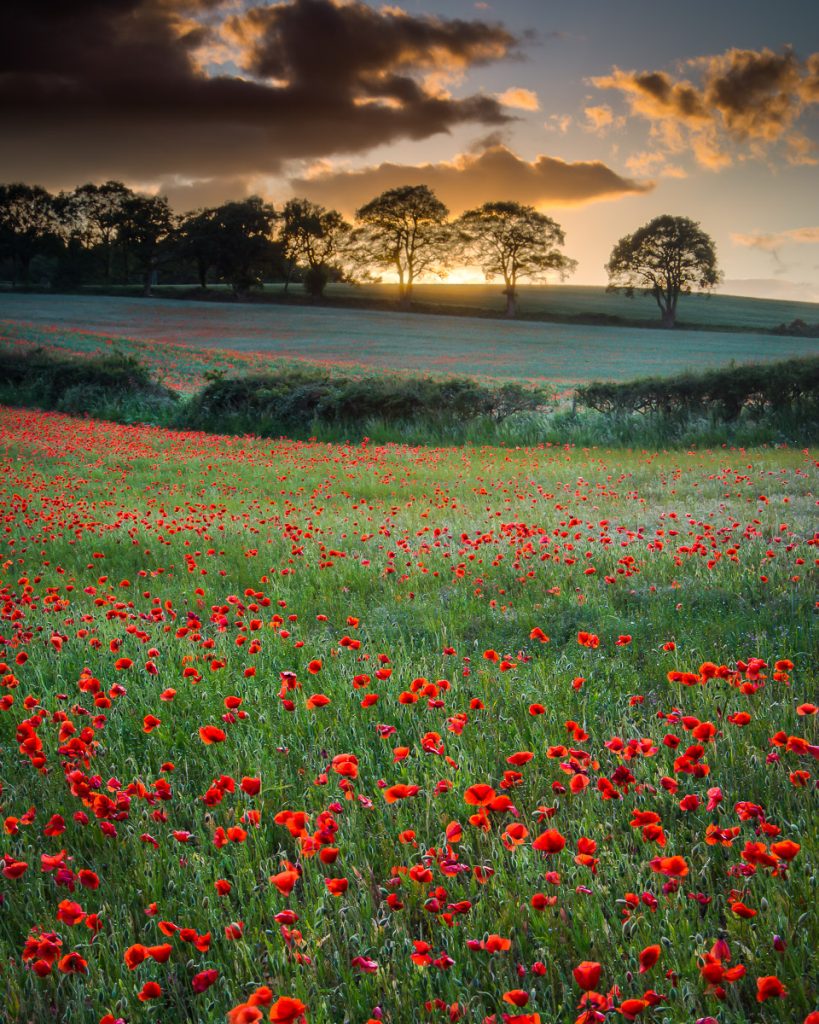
(297, 400)
(720, 395)
(95, 386)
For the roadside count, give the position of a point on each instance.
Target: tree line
(108, 234)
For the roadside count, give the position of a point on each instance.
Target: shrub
(298, 399)
(721, 395)
(79, 385)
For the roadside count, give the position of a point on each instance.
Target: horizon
(338, 100)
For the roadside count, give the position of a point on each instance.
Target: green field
(184, 336)
(578, 300)
(392, 734)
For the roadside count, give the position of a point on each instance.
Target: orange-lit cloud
(520, 99)
(475, 178)
(743, 99)
(773, 241)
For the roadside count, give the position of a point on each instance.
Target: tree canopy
(315, 238)
(513, 242)
(405, 229)
(666, 258)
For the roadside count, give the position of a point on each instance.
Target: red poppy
(587, 974)
(211, 734)
(516, 996)
(150, 990)
(550, 841)
(203, 980)
(479, 795)
(769, 987)
(648, 957)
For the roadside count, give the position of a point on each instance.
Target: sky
(601, 114)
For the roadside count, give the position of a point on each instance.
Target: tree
(197, 241)
(512, 241)
(405, 230)
(244, 246)
(315, 238)
(29, 227)
(92, 214)
(144, 225)
(666, 258)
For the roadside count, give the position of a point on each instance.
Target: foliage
(404, 230)
(113, 384)
(245, 244)
(144, 224)
(304, 399)
(29, 225)
(514, 242)
(722, 394)
(666, 258)
(315, 238)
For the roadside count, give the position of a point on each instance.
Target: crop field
(359, 734)
(578, 300)
(187, 338)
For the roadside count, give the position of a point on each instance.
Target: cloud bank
(142, 89)
(475, 178)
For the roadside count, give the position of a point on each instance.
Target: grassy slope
(441, 549)
(556, 352)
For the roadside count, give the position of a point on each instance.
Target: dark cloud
(743, 96)
(103, 88)
(473, 179)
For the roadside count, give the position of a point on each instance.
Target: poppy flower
(203, 980)
(587, 974)
(288, 1011)
(134, 956)
(285, 881)
(673, 867)
(550, 841)
(479, 795)
(150, 990)
(364, 964)
(516, 996)
(400, 792)
(769, 987)
(785, 849)
(630, 1008)
(211, 734)
(649, 957)
(72, 963)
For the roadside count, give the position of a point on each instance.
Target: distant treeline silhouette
(107, 235)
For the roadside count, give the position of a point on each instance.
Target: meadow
(184, 338)
(376, 733)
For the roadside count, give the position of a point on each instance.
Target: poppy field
(309, 732)
(185, 338)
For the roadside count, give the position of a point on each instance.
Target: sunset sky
(600, 114)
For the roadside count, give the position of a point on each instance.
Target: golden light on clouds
(520, 99)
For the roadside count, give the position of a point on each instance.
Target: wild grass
(213, 565)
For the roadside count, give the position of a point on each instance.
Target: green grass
(168, 548)
(183, 337)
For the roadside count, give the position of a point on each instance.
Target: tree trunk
(511, 303)
(669, 318)
(203, 275)
(146, 283)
